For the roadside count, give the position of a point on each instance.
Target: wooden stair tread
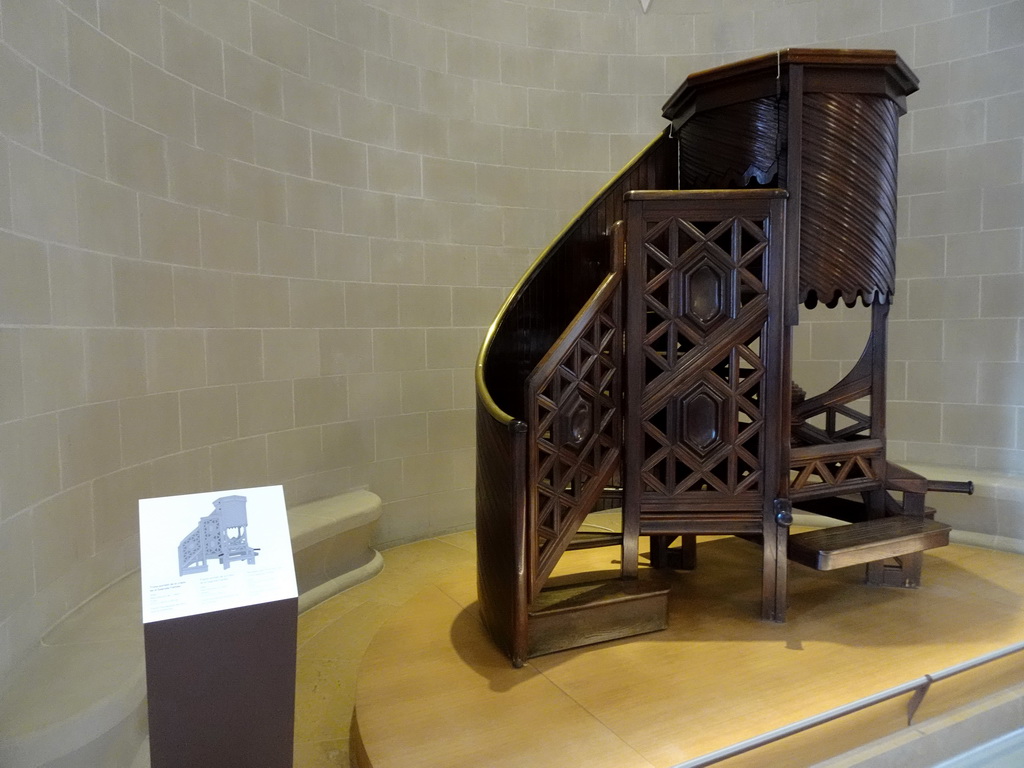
(839, 508)
(571, 597)
(829, 548)
(593, 539)
(580, 614)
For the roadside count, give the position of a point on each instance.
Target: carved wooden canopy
(822, 125)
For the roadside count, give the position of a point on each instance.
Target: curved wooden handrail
(579, 252)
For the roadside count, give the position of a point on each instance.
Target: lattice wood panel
(575, 428)
(704, 302)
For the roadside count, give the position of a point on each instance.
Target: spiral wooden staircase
(646, 357)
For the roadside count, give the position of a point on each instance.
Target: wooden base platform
(433, 691)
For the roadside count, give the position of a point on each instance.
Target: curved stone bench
(78, 699)
(331, 544)
(992, 518)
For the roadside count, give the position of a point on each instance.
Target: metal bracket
(783, 512)
(917, 698)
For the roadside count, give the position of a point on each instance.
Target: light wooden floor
(433, 691)
(334, 635)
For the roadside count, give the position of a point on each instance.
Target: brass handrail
(483, 393)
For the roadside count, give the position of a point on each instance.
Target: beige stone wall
(255, 242)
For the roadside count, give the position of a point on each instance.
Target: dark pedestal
(221, 687)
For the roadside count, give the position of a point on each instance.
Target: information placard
(206, 552)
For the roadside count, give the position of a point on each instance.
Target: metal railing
(919, 687)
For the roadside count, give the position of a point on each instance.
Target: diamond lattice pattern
(704, 284)
(578, 430)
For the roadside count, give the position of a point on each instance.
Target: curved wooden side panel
(501, 530)
(734, 146)
(560, 283)
(848, 212)
(541, 307)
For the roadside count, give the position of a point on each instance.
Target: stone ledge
(94, 657)
(941, 738)
(311, 523)
(992, 517)
(331, 544)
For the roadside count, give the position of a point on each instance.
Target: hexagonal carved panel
(574, 423)
(700, 421)
(704, 294)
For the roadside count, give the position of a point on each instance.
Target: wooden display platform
(434, 691)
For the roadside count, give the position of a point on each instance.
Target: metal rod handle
(951, 486)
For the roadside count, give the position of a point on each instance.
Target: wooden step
(581, 614)
(594, 539)
(829, 548)
(839, 508)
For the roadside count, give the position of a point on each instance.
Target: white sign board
(207, 552)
